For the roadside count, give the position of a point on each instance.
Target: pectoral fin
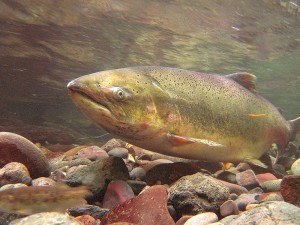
(180, 140)
(257, 162)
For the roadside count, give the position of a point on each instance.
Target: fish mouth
(80, 90)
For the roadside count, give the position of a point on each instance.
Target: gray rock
(197, 193)
(271, 185)
(43, 181)
(119, 152)
(49, 218)
(6, 218)
(11, 186)
(267, 213)
(296, 167)
(97, 173)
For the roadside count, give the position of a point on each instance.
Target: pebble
(271, 185)
(229, 208)
(290, 186)
(149, 207)
(136, 186)
(245, 199)
(197, 193)
(243, 167)
(296, 167)
(154, 163)
(14, 172)
(92, 210)
(112, 143)
(137, 173)
(183, 219)
(274, 212)
(43, 181)
(92, 153)
(247, 179)
(96, 174)
(256, 190)
(117, 192)
(58, 175)
(12, 186)
(86, 220)
(226, 175)
(234, 188)
(15, 148)
(262, 177)
(202, 219)
(49, 218)
(271, 196)
(119, 152)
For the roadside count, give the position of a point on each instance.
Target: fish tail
(295, 128)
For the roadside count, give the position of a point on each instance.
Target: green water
(45, 44)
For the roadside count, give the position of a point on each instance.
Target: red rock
(86, 220)
(229, 208)
(234, 188)
(117, 192)
(265, 177)
(91, 152)
(247, 179)
(148, 208)
(13, 173)
(290, 189)
(15, 148)
(183, 219)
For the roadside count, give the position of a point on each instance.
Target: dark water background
(45, 44)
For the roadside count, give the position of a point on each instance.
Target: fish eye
(119, 94)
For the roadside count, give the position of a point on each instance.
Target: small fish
(253, 115)
(35, 199)
(184, 113)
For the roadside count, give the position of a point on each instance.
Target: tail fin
(295, 128)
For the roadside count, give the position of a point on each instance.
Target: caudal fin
(295, 128)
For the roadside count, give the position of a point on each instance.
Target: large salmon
(184, 113)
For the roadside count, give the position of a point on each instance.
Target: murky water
(44, 44)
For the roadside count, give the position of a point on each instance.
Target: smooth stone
(271, 185)
(234, 188)
(92, 210)
(92, 153)
(243, 167)
(96, 174)
(59, 163)
(279, 213)
(233, 196)
(247, 179)
(168, 173)
(290, 189)
(245, 199)
(112, 143)
(296, 167)
(229, 208)
(43, 181)
(172, 212)
(271, 196)
(49, 218)
(12, 186)
(202, 219)
(149, 207)
(197, 193)
(154, 163)
(137, 173)
(117, 192)
(15, 148)
(262, 177)
(257, 190)
(119, 152)
(14, 172)
(226, 175)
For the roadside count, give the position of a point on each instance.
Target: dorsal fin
(247, 80)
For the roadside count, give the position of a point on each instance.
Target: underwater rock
(226, 175)
(137, 173)
(87, 220)
(97, 173)
(271, 185)
(11, 186)
(117, 192)
(234, 188)
(270, 196)
(112, 143)
(6, 218)
(229, 208)
(49, 218)
(247, 179)
(92, 153)
(167, 173)
(15, 148)
(290, 189)
(262, 177)
(246, 199)
(43, 181)
(92, 210)
(243, 167)
(13, 173)
(197, 193)
(202, 219)
(148, 166)
(149, 207)
(119, 152)
(296, 167)
(279, 213)
(136, 185)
